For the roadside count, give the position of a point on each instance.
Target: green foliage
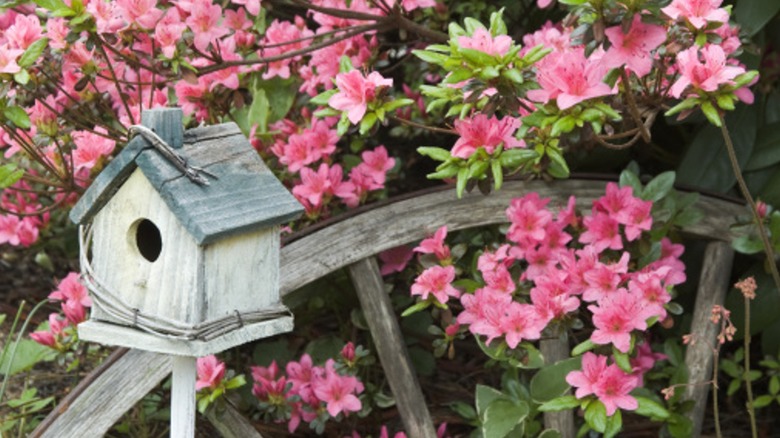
(550, 383)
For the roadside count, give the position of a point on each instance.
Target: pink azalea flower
(602, 232)
(521, 321)
(49, 337)
(615, 318)
(338, 392)
(484, 42)
(706, 75)
(9, 225)
(8, 57)
(435, 244)
(489, 133)
(586, 381)
(210, 372)
(356, 92)
(636, 217)
(634, 48)
(74, 311)
(141, 12)
(90, 147)
(528, 217)
(168, 32)
(603, 279)
(613, 389)
(670, 253)
(57, 30)
(483, 311)
(570, 78)
(436, 281)
(204, 23)
(376, 164)
(395, 259)
(25, 31)
(252, 6)
(697, 12)
(280, 32)
(649, 287)
(322, 184)
(71, 289)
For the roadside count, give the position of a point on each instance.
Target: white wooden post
(183, 397)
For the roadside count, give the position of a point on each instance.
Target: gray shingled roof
(247, 196)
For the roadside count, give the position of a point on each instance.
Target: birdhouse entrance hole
(147, 239)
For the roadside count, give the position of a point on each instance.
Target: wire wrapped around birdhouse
(110, 303)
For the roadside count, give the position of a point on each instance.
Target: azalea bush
(352, 101)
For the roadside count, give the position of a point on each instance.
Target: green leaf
(763, 401)
(324, 348)
(52, 5)
(438, 154)
(753, 15)
(33, 52)
(774, 383)
(651, 408)
(477, 169)
(514, 158)
(258, 111)
(550, 381)
(22, 77)
(614, 424)
(596, 416)
(622, 360)
(498, 174)
(501, 416)
(659, 186)
(323, 98)
(485, 395)
(419, 306)
(563, 125)
(9, 175)
(630, 179)
(460, 186)
(28, 354)
(686, 104)
(711, 113)
(447, 171)
(18, 116)
(431, 57)
(560, 404)
(368, 122)
(345, 65)
(558, 167)
(582, 347)
(477, 57)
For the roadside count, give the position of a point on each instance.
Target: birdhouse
(180, 241)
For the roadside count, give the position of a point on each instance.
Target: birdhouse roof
(245, 196)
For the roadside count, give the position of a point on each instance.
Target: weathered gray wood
(554, 350)
(713, 285)
(109, 396)
(417, 217)
(391, 348)
(230, 423)
(116, 335)
(183, 397)
(166, 123)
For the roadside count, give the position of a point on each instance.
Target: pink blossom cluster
(300, 150)
(307, 390)
(19, 226)
(74, 301)
(611, 385)
(568, 264)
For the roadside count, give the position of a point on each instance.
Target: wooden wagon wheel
(128, 375)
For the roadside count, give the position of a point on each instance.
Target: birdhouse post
(180, 248)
